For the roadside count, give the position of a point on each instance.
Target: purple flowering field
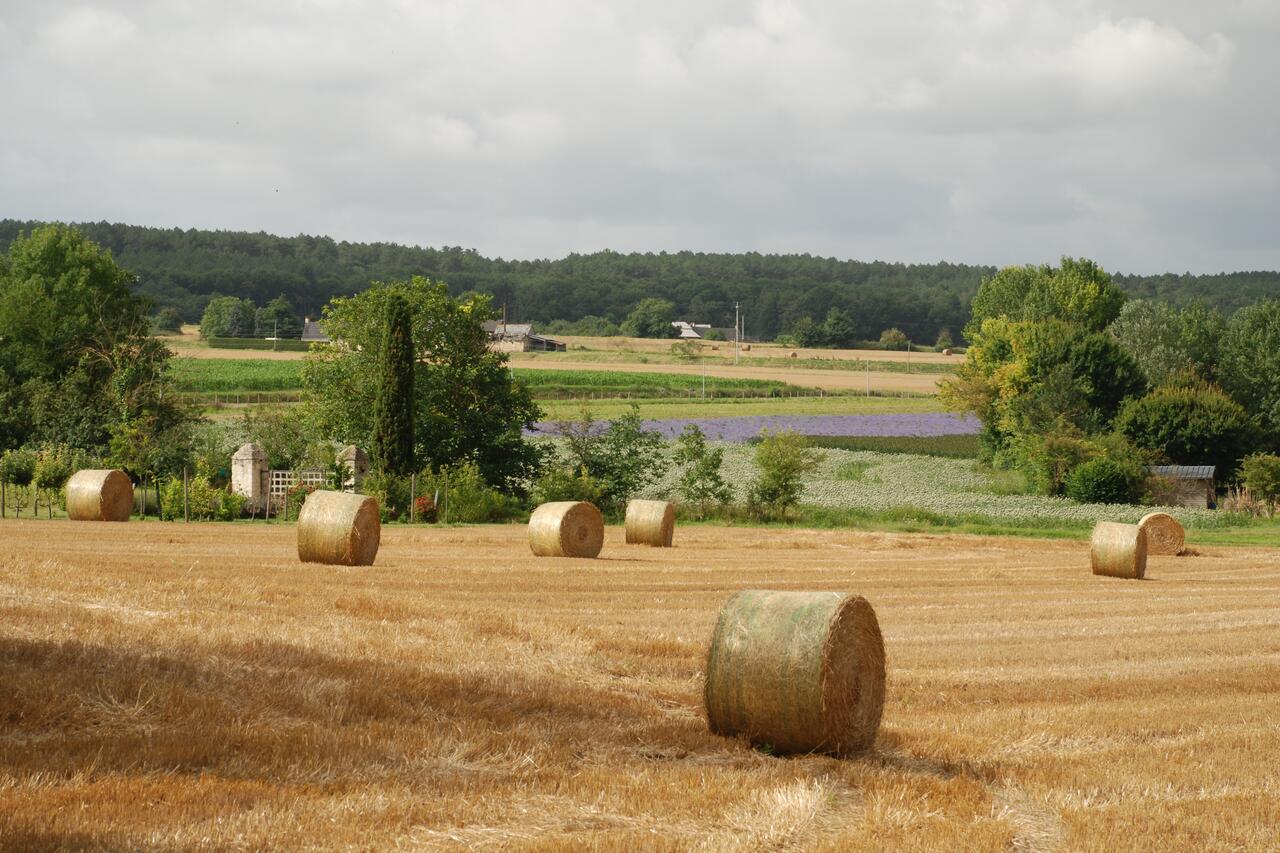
(745, 428)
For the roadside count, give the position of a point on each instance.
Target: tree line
(777, 294)
(1081, 388)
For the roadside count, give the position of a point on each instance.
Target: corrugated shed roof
(1183, 472)
(508, 330)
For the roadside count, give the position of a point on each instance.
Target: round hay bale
(566, 529)
(339, 529)
(1118, 550)
(650, 523)
(97, 494)
(1164, 534)
(797, 671)
(947, 352)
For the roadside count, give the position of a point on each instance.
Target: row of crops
(214, 377)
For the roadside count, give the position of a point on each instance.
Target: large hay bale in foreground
(566, 529)
(96, 494)
(1118, 550)
(650, 523)
(1164, 534)
(797, 671)
(338, 528)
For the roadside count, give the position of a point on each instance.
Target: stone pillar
(357, 466)
(249, 476)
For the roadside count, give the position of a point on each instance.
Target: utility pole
(737, 339)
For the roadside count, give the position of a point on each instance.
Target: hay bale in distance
(339, 529)
(97, 494)
(1164, 534)
(796, 671)
(650, 523)
(566, 529)
(1118, 550)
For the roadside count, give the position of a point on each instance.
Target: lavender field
(741, 429)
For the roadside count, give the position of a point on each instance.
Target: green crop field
(202, 377)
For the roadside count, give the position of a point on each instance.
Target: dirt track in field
(183, 685)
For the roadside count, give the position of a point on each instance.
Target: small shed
(519, 337)
(1192, 484)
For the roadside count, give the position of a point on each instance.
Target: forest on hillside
(185, 269)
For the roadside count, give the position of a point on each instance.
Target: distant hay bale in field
(1118, 550)
(1164, 534)
(650, 523)
(96, 494)
(793, 355)
(566, 529)
(337, 528)
(947, 351)
(796, 671)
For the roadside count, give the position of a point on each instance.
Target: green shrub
(54, 466)
(168, 320)
(1261, 475)
(231, 506)
(296, 497)
(1049, 459)
(1101, 481)
(558, 483)
(622, 459)
(782, 460)
(465, 497)
(701, 483)
(205, 501)
(893, 339)
(18, 467)
(1191, 424)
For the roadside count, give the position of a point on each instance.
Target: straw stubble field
(179, 686)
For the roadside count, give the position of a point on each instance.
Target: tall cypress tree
(392, 451)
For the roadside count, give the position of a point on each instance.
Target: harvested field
(181, 686)
(724, 349)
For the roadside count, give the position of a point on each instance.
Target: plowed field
(180, 686)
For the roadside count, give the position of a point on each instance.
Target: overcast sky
(1141, 133)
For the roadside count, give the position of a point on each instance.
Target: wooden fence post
(186, 501)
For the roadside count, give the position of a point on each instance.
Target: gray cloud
(1138, 132)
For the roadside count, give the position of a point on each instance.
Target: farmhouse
(1192, 484)
(519, 337)
(696, 331)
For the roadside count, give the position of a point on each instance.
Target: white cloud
(973, 130)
